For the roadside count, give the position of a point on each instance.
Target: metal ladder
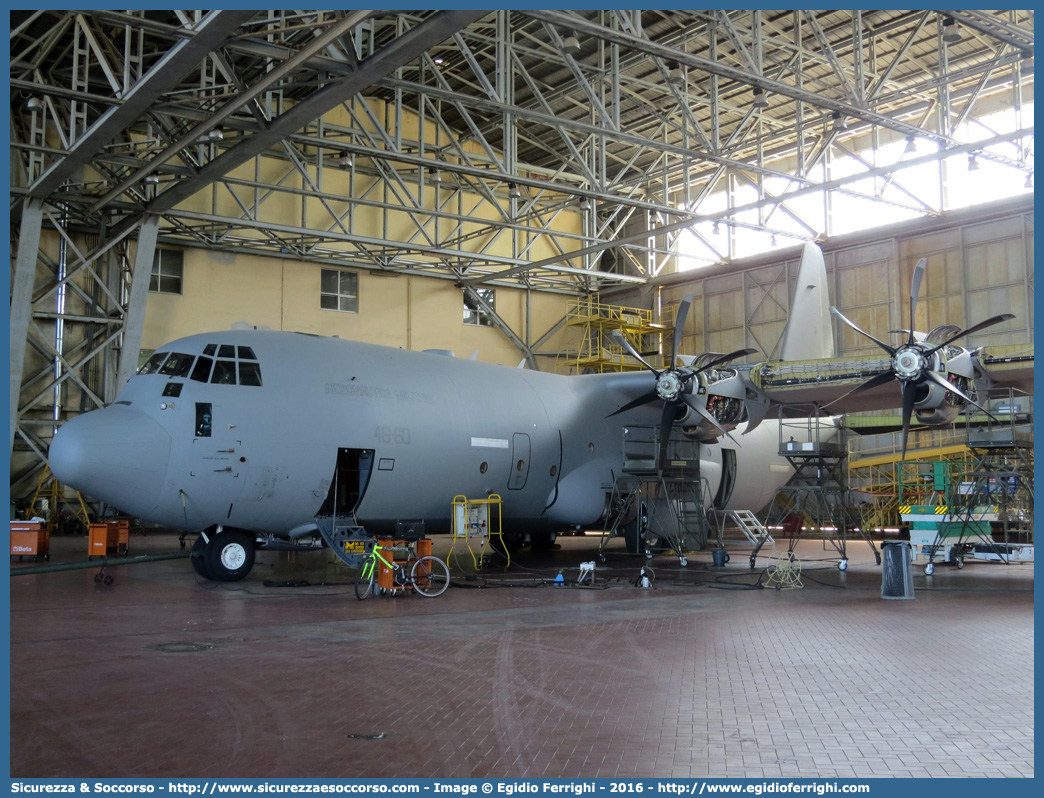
(753, 530)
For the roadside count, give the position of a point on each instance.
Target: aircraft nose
(118, 455)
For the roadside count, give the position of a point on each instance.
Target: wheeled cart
(30, 539)
(111, 537)
(400, 551)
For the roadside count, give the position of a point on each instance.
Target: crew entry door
(519, 461)
(350, 478)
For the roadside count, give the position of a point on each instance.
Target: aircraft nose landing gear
(223, 556)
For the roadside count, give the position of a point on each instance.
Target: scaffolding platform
(816, 500)
(595, 353)
(654, 510)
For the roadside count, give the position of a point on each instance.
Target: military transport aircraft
(262, 439)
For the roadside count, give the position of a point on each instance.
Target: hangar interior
(506, 183)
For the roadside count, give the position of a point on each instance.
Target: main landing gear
(223, 555)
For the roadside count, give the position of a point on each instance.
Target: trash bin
(896, 579)
(720, 557)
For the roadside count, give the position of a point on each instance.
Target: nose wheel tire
(198, 558)
(229, 556)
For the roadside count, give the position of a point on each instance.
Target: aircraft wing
(825, 381)
(1009, 366)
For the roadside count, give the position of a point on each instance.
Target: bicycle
(429, 576)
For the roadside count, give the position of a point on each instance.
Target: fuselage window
(246, 353)
(201, 373)
(249, 373)
(227, 350)
(177, 365)
(204, 420)
(224, 372)
(153, 363)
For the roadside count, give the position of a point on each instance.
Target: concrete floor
(160, 674)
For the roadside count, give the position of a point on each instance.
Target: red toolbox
(111, 537)
(30, 538)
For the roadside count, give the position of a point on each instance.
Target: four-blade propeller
(674, 384)
(914, 363)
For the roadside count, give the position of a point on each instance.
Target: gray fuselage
(437, 427)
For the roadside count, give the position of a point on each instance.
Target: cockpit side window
(201, 372)
(177, 365)
(249, 373)
(204, 419)
(224, 372)
(153, 363)
(210, 349)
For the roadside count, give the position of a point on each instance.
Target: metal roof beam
(213, 30)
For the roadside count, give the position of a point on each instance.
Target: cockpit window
(249, 373)
(177, 365)
(226, 350)
(210, 349)
(224, 372)
(246, 353)
(201, 372)
(153, 363)
(204, 419)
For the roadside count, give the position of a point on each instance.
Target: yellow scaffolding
(51, 492)
(595, 352)
(888, 481)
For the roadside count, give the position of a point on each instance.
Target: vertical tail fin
(809, 334)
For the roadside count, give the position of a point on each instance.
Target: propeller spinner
(914, 363)
(674, 384)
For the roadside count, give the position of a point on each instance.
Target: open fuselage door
(336, 517)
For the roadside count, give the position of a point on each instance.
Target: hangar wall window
(339, 290)
(474, 313)
(167, 271)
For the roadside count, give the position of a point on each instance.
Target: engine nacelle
(935, 405)
(723, 391)
(938, 415)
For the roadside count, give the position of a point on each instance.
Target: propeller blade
(915, 289)
(909, 399)
(652, 396)
(695, 405)
(757, 410)
(617, 336)
(666, 425)
(873, 382)
(726, 358)
(890, 350)
(949, 386)
(679, 326)
(982, 325)
(699, 408)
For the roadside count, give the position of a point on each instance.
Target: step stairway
(755, 533)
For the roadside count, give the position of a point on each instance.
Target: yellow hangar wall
(223, 291)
